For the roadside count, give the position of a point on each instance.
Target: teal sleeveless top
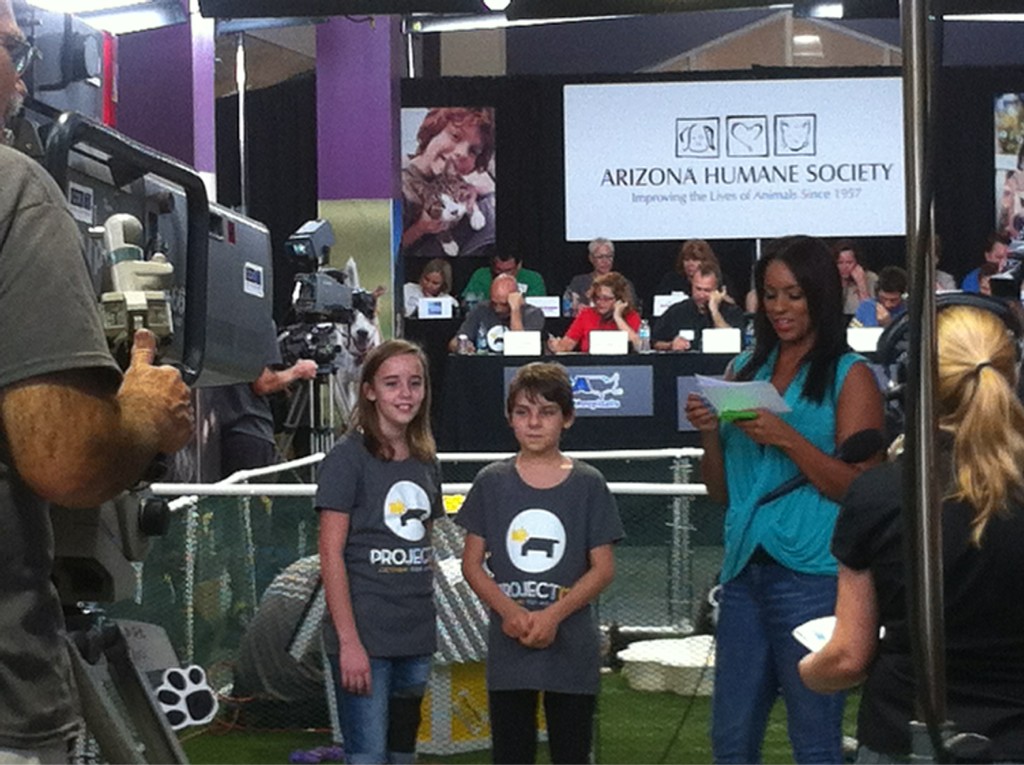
(796, 529)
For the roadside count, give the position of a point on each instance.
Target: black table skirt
(471, 409)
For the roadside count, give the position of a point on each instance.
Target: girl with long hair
(379, 491)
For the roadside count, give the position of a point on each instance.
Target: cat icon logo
(796, 135)
(405, 511)
(413, 514)
(539, 544)
(535, 541)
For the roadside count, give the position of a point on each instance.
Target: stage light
(818, 10)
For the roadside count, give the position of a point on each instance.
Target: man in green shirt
(531, 283)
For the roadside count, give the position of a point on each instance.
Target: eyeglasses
(604, 298)
(603, 256)
(21, 51)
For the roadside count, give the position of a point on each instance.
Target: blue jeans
(756, 657)
(381, 727)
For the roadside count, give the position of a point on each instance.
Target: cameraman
(72, 430)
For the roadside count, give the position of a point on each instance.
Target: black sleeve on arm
(869, 516)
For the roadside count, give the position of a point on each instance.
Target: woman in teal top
(778, 572)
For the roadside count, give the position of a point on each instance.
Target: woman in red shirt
(610, 308)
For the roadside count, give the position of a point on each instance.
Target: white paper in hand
(815, 633)
(726, 396)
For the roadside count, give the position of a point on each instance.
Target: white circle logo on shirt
(406, 510)
(535, 541)
(496, 338)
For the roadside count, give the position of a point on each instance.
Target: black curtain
(965, 177)
(282, 166)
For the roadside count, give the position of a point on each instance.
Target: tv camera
(156, 249)
(321, 299)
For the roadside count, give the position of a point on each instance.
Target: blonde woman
(981, 458)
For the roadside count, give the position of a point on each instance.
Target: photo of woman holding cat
(448, 181)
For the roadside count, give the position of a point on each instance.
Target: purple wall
(165, 91)
(154, 89)
(357, 82)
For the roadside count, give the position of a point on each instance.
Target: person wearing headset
(980, 459)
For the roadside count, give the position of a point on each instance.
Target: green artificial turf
(632, 727)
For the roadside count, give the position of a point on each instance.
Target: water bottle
(748, 334)
(645, 337)
(481, 339)
(567, 303)
(464, 347)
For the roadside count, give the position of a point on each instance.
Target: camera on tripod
(321, 299)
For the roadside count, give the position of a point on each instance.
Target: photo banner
(1009, 164)
(734, 160)
(449, 181)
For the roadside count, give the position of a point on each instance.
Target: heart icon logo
(747, 134)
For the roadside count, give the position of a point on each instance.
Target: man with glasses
(72, 430)
(19, 56)
(601, 253)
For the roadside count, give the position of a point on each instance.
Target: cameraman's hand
(156, 396)
(305, 369)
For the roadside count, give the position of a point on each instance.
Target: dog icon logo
(697, 138)
(535, 541)
(406, 510)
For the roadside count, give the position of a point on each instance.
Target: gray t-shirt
(50, 322)
(239, 410)
(538, 541)
(388, 554)
(495, 325)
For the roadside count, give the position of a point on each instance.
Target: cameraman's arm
(274, 380)
(76, 440)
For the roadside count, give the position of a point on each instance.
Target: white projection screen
(734, 159)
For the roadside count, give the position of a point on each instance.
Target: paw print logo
(185, 697)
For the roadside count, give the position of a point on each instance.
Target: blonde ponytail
(978, 405)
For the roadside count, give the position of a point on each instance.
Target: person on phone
(707, 308)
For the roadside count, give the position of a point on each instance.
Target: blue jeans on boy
(381, 726)
(756, 657)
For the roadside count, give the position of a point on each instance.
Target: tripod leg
(112, 730)
(102, 719)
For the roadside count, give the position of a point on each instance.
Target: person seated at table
(890, 303)
(997, 251)
(692, 253)
(530, 282)
(506, 309)
(609, 309)
(858, 283)
(706, 309)
(601, 253)
(985, 273)
(435, 281)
